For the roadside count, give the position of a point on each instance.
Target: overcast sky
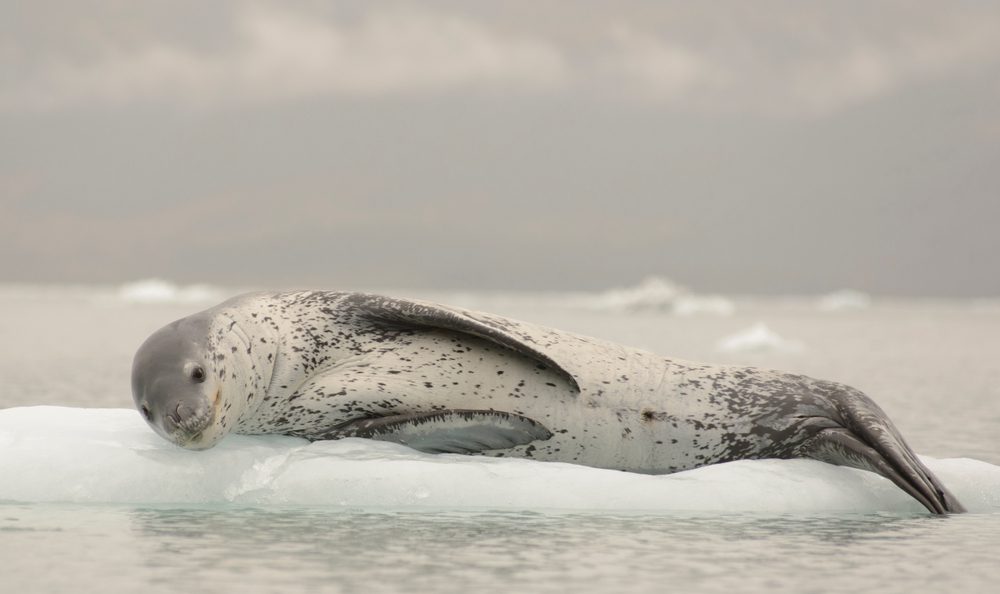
(743, 147)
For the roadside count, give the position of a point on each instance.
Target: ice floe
(845, 300)
(658, 294)
(156, 290)
(53, 454)
(757, 338)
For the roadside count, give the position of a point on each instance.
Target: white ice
(156, 290)
(845, 300)
(757, 338)
(54, 454)
(658, 294)
(653, 293)
(691, 305)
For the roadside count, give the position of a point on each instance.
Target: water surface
(52, 548)
(931, 365)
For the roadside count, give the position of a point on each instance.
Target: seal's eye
(198, 374)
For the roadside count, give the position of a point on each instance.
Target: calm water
(100, 549)
(932, 366)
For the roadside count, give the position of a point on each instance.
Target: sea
(91, 500)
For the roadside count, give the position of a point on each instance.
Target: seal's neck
(255, 343)
(311, 333)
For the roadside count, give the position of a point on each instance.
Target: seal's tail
(868, 440)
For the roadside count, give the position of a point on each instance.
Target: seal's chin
(202, 440)
(194, 442)
(192, 423)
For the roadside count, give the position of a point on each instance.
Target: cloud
(279, 55)
(794, 59)
(661, 68)
(808, 63)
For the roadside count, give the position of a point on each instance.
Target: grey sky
(764, 147)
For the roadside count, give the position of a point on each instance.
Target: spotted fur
(307, 363)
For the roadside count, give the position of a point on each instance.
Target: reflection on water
(255, 550)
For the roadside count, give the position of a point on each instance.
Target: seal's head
(185, 377)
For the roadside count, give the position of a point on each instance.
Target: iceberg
(658, 294)
(757, 338)
(692, 305)
(653, 293)
(78, 455)
(156, 290)
(845, 300)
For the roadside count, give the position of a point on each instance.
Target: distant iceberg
(76, 455)
(757, 338)
(652, 293)
(845, 300)
(691, 305)
(155, 290)
(659, 294)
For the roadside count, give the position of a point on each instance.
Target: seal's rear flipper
(867, 439)
(840, 446)
(447, 431)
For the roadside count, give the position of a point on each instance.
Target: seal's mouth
(197, 423)
(189, 431)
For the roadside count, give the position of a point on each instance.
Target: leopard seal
(328, 365)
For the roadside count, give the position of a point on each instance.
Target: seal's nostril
(177, 415)
(146, 414)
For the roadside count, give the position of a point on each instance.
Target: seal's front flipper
(534, 343)
(447, 431)
(842, 447)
